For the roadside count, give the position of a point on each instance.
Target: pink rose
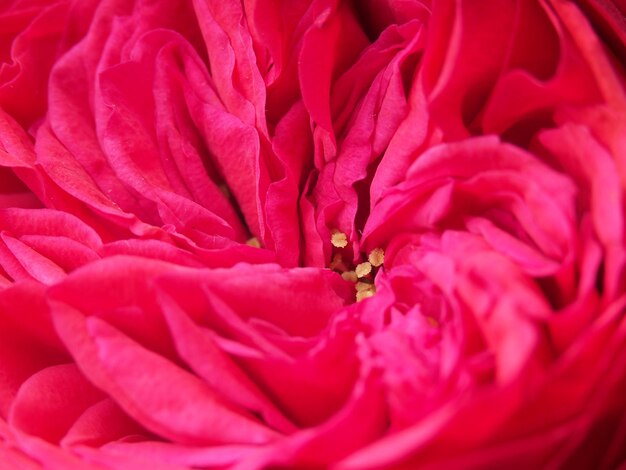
(312, 234)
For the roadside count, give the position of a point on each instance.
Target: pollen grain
(363, 269)
(376, 257)
(339, 239)
(365, 293)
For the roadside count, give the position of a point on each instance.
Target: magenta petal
(35, 265)
(320, 59)
(197, 347)
(32, 54)
(179, 455)
(14, 459)
(151, 249)
(300, 301)
(357, 424)
(28, 342)
(49, 401)
(291, 144)
(102, 422)
(141, 383)
(66, 253)
(231, 58)
(189, 192)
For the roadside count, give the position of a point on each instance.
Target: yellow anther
(254, 242)
(363, 269)
(339, 239)
(364, 290)
(377, 257)
(361, 286)
(349, 276)
(364, 294)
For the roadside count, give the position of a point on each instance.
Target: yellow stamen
(363, 269)
(361, 286)
(364, 294)
(377, 257)
(339, 239)
(349, 276)
(254, 242)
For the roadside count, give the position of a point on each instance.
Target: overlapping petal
(312, 234)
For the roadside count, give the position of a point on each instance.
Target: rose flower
(360, 234)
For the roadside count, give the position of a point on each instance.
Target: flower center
(363, 274)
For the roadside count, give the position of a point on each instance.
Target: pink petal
(141, 381)
(99, 424)
(49, 401)
(198, 348)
